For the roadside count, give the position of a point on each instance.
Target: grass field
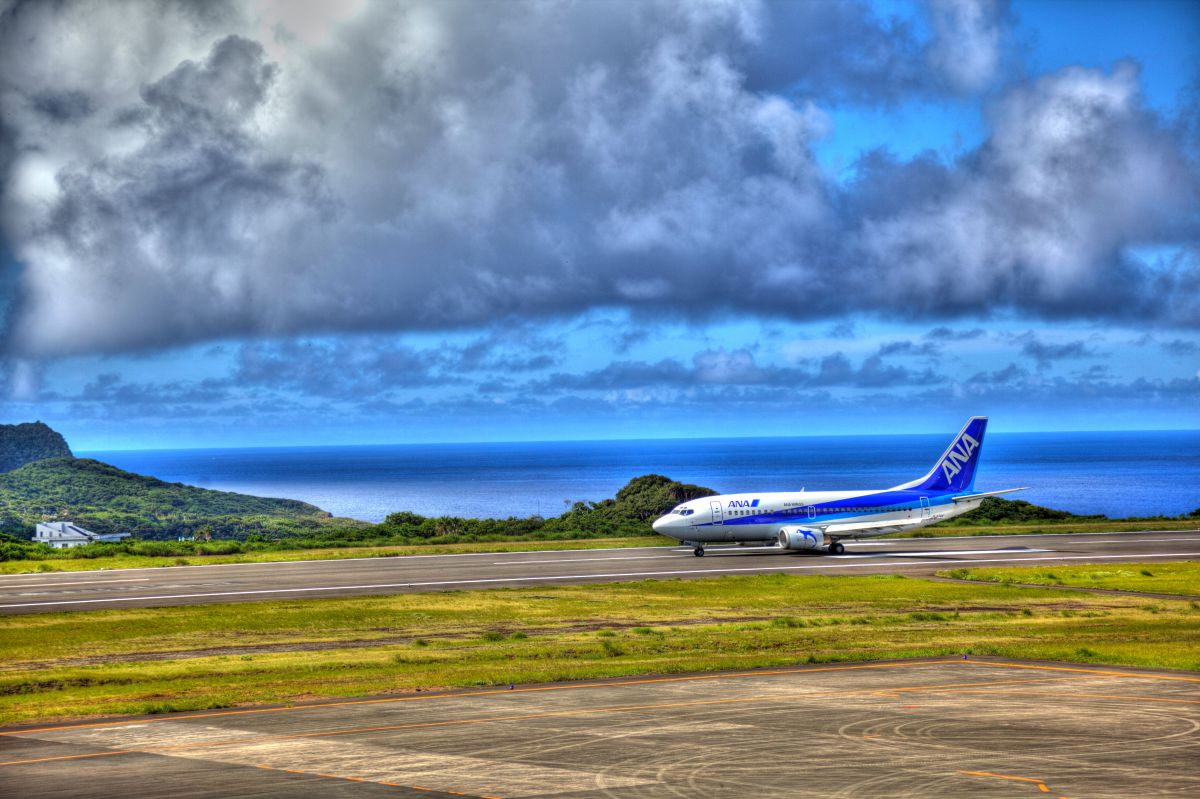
(1159, 578)
(67, 563)
(65, 665)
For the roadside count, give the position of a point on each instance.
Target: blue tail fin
(954, 472)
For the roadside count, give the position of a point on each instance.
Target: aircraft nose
(660, 523)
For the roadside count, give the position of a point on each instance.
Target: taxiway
(938, 727)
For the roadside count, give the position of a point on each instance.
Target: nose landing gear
(698, 552)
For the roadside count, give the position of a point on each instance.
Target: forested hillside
(25, 443)
(106, 499)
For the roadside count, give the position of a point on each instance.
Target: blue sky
(268, 224)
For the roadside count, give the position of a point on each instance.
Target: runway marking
(393, 785)
(1144, 540)
(930, 553)
(53, 584)
(586, 560)
(109, 753)
(1039, 783)
(1131, 698)
(1038, 666)
(961, 687)
(548, 578)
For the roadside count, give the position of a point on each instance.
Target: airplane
(817, 521)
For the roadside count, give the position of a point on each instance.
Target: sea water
(1111, 473)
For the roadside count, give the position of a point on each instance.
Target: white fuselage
(817, 520)
(840, 514)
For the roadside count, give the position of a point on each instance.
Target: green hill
(106, 499)
(25, 443)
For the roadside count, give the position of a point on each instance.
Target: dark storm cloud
(63, 106)
(110, 388)
(342, 368)
(943, 333)
(836, 370)
(715, 368)
(1180, 348)
(1009, 375)
(1015, 386)
(926, 349)
(1045, 352)
(354, 367)
(621, 375)
(294, 169)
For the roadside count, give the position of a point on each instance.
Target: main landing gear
(698, 551)
(836, 548)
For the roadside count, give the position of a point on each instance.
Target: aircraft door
(716, 512)
(926, 511)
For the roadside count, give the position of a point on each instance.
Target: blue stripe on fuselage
(838, 510)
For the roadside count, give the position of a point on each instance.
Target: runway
(991, 728)
(193, 585)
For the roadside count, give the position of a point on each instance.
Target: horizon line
(618, 440)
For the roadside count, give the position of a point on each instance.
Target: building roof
(70, 531)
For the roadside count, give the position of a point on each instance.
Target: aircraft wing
(850, 527)
(966, 497)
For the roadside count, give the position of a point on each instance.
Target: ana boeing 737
(818, 521)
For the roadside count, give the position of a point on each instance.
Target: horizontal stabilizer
(966, 497)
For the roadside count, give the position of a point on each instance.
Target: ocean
(1112, 473)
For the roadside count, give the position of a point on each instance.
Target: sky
(299, 223)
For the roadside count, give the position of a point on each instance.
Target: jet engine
(800, 538)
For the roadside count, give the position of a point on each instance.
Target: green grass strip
(1155, 578)
(67, 665)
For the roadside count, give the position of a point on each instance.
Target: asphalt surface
(193, 585)
(992, 728)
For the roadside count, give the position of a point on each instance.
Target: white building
(64, 534)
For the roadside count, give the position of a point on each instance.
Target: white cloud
(966, 44)
(186, 172)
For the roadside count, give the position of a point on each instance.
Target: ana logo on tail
(958, 455)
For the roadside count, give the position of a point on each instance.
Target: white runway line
(584, 560)
(55, 584)
(1144, 540)
(933, 553)
(549, 578)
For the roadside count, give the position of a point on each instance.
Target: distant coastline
(1118, 474)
